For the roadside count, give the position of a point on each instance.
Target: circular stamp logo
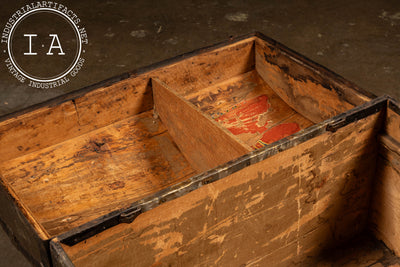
(44, 43)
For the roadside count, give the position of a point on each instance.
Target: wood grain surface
(206, 69)
(392, 124)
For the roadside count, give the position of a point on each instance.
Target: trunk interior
(105, 149)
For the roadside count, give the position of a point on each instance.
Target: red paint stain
(277, 133)
(245, 118)
(117, 185)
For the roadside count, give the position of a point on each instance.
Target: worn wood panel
(313, 93)
(107, 105)
(83, 178)
(208, 68)
(249, 109)
(50, 125)
(392, 124)
(385, 208)
(203, 142)
(37, 130)
(265, 213)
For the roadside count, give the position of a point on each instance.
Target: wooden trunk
(240, 153)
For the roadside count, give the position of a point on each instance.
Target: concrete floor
(359, 40)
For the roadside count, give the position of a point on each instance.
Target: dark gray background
(359, 40)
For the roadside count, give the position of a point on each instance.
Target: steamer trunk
(240, 153)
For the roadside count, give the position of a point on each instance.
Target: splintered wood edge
(73, 236)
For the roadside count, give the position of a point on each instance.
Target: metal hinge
(129, 214)
(334, 126)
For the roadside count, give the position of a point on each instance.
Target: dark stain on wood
(294, 83)
(97, 146)
(117, 185)
(291, 69)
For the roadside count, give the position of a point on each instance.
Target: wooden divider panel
(281, 211)
(204, 143)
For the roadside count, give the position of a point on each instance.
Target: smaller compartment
(248, 108)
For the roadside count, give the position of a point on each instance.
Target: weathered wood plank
(196, 73)
(93, 174)
(314, 94)
(203, 142)
(279, 210)
(392, 124)
(47, 126)
(385, 208)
